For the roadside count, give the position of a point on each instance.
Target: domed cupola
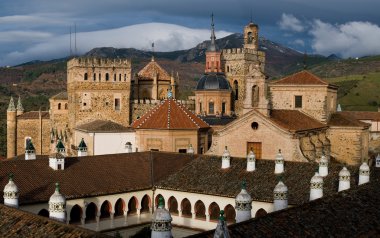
(82, 148)
(57, 205)
(363, 173)
(251, 161)
(243, 204)
(316, 187)
(280, 196)
(213, 81)
(344, 179)
(11, 193)
(161, 222)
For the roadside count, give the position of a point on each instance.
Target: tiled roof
(362, 115)
(60, 96)
(170, 114)
(90, 175)
(151, 69)
(34, 115)
(294, 120)
(303, 77)
(103, 126)
(18, 223)
(214, 120)
(350, 213)
(204, 175)
(344, 119)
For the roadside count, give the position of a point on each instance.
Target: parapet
(98, 62)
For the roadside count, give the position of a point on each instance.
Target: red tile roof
(303, 77)
(374, 116)
(103, 126)
(34, 115)
(344, 119)
(294, 120)
(170, 114)
(152, 68)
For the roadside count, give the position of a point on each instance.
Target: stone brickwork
(203, 99)
(36, 129)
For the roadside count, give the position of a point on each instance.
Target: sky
(40, 29)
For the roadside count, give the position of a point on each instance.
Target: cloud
(290, 23)
(167, 37)
(352, 39)
(23, 36)
(299, 42)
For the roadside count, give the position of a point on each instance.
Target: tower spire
(11, 106)
(19, 105)
(213, 38)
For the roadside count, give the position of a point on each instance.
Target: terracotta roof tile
(294, 120)
(362, 115)
(60, 96)
(90, 175)
(303, 77)
(344, 119)
(103, 126)
(150, 70)
(34, 115)
(170, 114)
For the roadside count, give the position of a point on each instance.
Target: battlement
(243, 51)
(156, 102)
(98, 62)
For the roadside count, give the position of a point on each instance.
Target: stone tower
(11, 129)
(244, 68)
(98, 88)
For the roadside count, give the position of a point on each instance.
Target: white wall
(113, 143)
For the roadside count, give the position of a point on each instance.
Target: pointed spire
(19, 105)
(57, 187)
(212, 46)
(11, 106)
(221, 230)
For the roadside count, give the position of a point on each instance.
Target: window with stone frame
(298, 101)
(211, 108)
(117, 104)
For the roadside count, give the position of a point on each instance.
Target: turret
(251, 36)
(316, 187)
(82, 148)
(323, 166)
(11, 129)
(128, 147)
(190, 150)
(221, 230)
(226, 159)
(243, 204)
(344, 179)
(279, 163)
(20, 108)
(161, 221)
(363, 173)
(30, 151)
(57, 205)
(251, 161)
(213, 53)
(11, 193)
(280, 196)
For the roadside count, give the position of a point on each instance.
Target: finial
(161, 203)
(10, 176)
(244, 185)
(221, 217)
(152, 52)
(11, 106)
(251, 17)
(57, 187)
(19, 105)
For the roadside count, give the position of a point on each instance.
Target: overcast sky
(39, 29)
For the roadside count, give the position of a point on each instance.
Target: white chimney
(323, 166)
(57, 205)
(378, 161)
(226, 159)
(243, 204)
(280, 196)
(344, 179)
(57, 161)
(30, 152)
(363, 173)
(82, 148)
(161, 221)
(251, 161)
(316, 187)
(279, 163)
(11, 193)
(128, 147)
(190, 150)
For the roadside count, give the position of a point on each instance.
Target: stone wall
(217, 97)
(38, 130)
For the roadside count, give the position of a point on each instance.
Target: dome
(280, 187)
(316, 178)
(243, 196)
(364, 167)
(213, 81)
(11, 187)
(161, 214)
(344, 172)
(57, 197)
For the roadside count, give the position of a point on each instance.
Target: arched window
(255, 96)
(65, 106)
(119, 77)
(158, 197)
(213, 211)
(105, 210)
(228, 69)
(173, 205)
(200, 210)
(76, 214)
(132, 206)
(230, 214)
(94, 77)
(250, 38)
(119, 207)
(100, 77)
(85, 76)
(114, 77)
(186, 207)
(43, 213)
(107, 77)
(125, 77)
(59, 106)
(145, 204)
(91, 212)
(260, 213)
(211, 109)
(236, 90)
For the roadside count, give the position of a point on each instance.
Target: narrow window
(107, 77)
(117, 104)
(59, 106)
(298, 101)
(66, 106)
(100, 77)
(211, 107)
(223, 108)
(85, 76)
(94, 77)
(119, 77)
(125, 77)
(236, 89)
(200, 107)
(114, 77)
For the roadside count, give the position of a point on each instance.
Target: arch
(260, 213)
(119, 207)
(107, 76)
(91, 212)
(66, 106)
(236, 90)
(156, 200)
(85, 77)
(173, 205)
(43, 213)
(105, 209)
(76, 214)
(213, 211)
(230, 214)
(186, 207)
(249, 38)
(145, 204)
(211, 109)
(132, 206)
(59, 106)
(200, 210)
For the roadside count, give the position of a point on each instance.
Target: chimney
(279, 163)
(363, 173)
(316, 187)
(190, 150)
(30, 152)
(243, 204)
(280, 196)
(128, 147)
(323, 166)
(11, 193)
(251, 161)
(161, 221)
(344, 179)
(57, 161)
(221, 230)
(226, 159)
(57, 205)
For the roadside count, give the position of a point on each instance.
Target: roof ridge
(186, 113)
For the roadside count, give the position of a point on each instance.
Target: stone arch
(156, 200)
(145, 203)
(236, 90)
(119, 207)
(132, 206)
(173, 205)
(200, 210)
(43, 213)
(260, 213)
(230, 214)
(186, 207)
(76, 214)
(105, 209)
(214, 211)
(91, 212)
